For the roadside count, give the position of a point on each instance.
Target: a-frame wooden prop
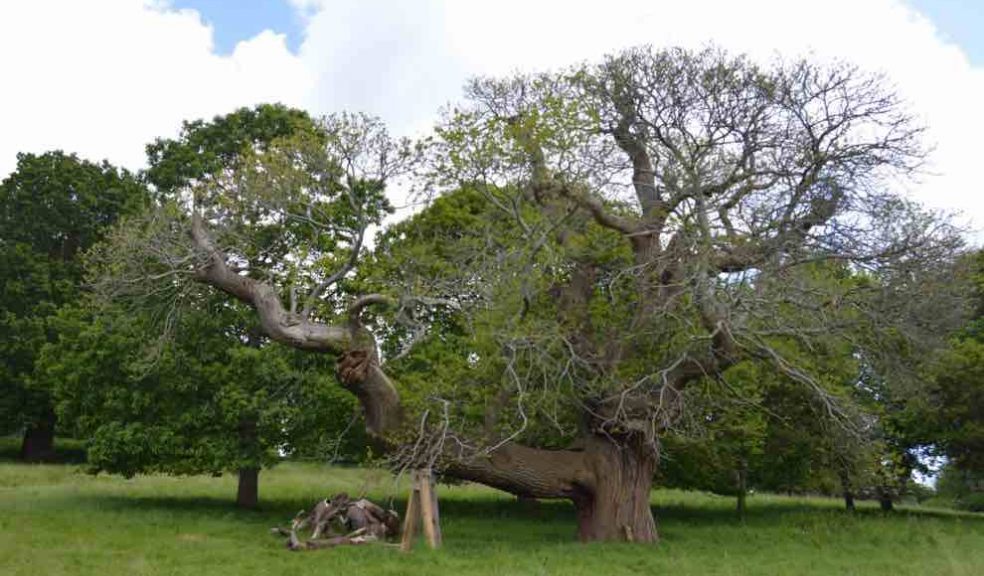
(422, 508)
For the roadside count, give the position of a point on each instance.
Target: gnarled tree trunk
(608, 483)
(615, 505)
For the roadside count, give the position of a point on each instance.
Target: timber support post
(422, 508)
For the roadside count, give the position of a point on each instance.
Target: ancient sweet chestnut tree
(610, 235)
(680, 213)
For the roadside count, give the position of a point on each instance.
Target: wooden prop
(422, 508)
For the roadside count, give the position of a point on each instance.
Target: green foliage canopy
(53, 208)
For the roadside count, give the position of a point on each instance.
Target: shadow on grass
(473, 508)
(67, 450)
(474, 521)
(192, 506)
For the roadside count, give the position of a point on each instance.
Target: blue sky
(235, 20)
(959, 21)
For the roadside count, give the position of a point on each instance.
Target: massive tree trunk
(608, 483)
(615, 506)
(39, 438)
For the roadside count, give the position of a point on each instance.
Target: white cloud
(403, 61)
(103, 78)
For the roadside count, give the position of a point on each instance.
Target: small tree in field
(206, 404)
(219, 398)
(623, 231)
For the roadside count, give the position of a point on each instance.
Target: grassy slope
(54, 520)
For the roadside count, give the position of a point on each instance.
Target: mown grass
(55, 520)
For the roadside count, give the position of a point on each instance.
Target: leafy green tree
(950, 418)
(960, 389)
(959, 379)
(755, 428)
(218, 396)
(202, 404)
(962, 487)
(206, 148)
(721, 453)
(53, 207)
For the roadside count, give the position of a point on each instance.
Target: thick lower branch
(609, 482)
(358, 367)
(526, 471)
(276, 321)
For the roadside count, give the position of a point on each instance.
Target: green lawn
(55, 520)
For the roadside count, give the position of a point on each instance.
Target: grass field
(55, 520)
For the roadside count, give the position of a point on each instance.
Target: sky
(102, 78)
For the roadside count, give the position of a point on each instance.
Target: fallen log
(362, 522)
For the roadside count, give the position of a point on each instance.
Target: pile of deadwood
(341, 521)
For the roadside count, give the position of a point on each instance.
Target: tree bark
(38, 444)
(849, 500)
(248, 495)
(615, 506)
(358, 366)
(608, 483)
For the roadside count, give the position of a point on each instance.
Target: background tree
(205, 403)
(53, 207)
(201, 155)
(960, 382)
(231, 151)
(758, 428)
(212, 395)
(723, 453)
(207, 148)
(949, 420)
